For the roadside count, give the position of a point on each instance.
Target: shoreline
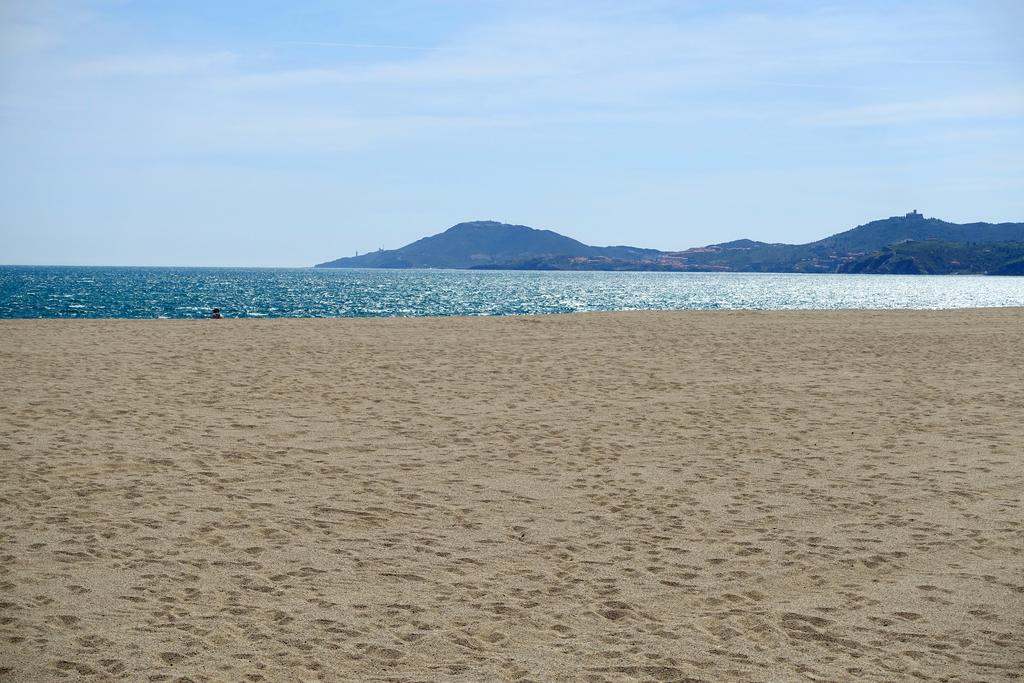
(491, 316)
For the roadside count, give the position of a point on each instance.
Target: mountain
(492, 245)
(482, 243)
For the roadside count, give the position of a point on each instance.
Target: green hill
(933, 257)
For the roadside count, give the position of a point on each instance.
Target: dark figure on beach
(216, 314)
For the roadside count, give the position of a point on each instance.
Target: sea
(144, 292)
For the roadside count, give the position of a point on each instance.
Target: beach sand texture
(670, 496)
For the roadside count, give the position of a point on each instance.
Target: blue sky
(288, 133)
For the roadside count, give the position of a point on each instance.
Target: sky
(290, 133)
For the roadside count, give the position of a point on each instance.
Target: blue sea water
(110, 292)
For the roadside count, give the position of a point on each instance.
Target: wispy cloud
(393, 73)
(149, 65)
(16, 39)
(1003, 103)
(372, 46)
(551, 61)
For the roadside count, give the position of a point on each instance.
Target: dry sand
(634, 496)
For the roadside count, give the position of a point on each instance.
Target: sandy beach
(648, 496)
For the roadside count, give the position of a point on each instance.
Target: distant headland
(908, 245)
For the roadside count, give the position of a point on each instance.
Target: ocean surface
(107, 292)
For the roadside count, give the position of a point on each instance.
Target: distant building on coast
(912, 215)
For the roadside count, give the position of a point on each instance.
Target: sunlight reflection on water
(91, 292)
